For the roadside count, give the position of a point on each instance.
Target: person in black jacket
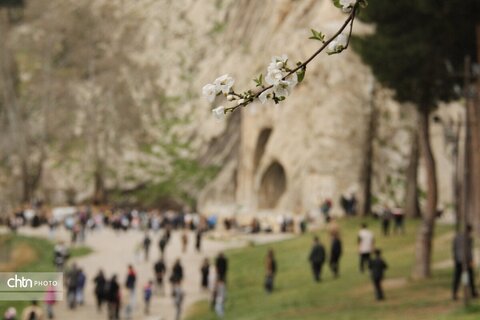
(100, 287)
(221, 265)
(335, 254)
(377, 268)
(162, 244)
(198, 240)
(160, 269)
(317, 258)
(270, 270)
(205, 271)
(177, 273)
(113, 297)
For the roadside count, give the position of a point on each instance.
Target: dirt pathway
(113, 252)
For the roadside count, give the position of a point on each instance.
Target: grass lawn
(351, 296)
(28, 254)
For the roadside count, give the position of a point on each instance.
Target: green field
(349, 297)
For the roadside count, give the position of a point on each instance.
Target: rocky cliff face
(284, 158)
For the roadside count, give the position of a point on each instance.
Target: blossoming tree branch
(280, 79)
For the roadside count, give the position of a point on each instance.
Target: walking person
(81, 279)
(162, 244)
(50, 300)
(184, 241)
(198, 240)
(335, 254)
(463, 245)
(178, 296)
(220, 298)
(72, 280)
(325, 208)
(177, 274)
(146, 245)
(221, 267)
(386, 219)
(270, 271)
(398, 216)
(147, 296)
(317, 258)
(160, 269)
(100, 289)
(60, 256)
(377, 269)
(113, 298)
(205, 271)
(366, 243)
(130, 283)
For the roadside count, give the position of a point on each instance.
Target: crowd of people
(119, 298)
(370, 258)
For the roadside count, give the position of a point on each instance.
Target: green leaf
(259, 80)
(337, 4)
(301, 74)
(316, 35)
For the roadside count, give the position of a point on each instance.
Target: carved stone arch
(273, 185)
(262, 141)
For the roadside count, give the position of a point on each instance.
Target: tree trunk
(422, 268)
(369, 155)
(412, 206)
(475, 134)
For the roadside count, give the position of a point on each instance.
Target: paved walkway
(114, 251)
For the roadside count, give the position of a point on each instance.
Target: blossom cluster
(280, 79)
(222, 84)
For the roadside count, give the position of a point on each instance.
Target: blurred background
(102, 119)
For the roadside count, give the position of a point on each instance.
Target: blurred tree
(22, 143)
(11, 3)
(414, 42)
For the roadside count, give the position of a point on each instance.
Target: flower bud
(240, 101)
(230, 97)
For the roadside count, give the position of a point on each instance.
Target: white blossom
(342, 40)
(347, 5)
(265, 95)
(230, 97)
(224, 84)
(292, 80)
(219, 112)
(280, 59)
(209, 92)
(283, 89)
(275, 70)
(239, 102)
(274, 76)
(338, 44)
